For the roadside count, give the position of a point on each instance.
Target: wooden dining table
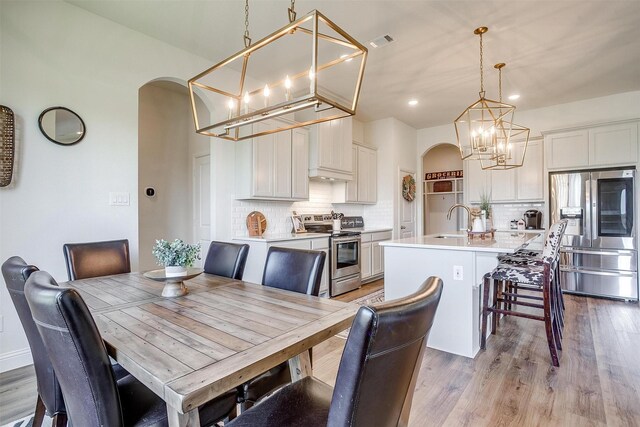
(192, 348)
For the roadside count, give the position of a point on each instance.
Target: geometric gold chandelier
(307, 72)
(505, 155)
(485, 123)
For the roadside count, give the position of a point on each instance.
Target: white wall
(598, 110)
(54, 53)
(395, 142)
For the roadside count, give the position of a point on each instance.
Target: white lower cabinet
(372, 255)
(323, 245)
(365, 260)
(257, 257)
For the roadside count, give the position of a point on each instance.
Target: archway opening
(173, 170)
(439, 195)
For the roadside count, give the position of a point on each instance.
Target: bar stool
(527, 257)
(528, 274)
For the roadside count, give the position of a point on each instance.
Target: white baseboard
(15, 359)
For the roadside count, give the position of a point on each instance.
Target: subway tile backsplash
(278, 213)
(502, 214)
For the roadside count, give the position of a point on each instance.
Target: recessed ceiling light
(413, 102)
(344, 56)
(514, 97)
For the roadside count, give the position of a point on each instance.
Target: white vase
(175, 271)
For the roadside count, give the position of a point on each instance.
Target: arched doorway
(173, 169)
(438, 198)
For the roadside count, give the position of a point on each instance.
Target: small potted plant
(485, 205)
(176, 256)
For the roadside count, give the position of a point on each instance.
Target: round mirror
(61, 125)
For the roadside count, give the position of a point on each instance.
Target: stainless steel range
(345, 250)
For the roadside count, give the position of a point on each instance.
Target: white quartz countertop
(504, 241)
(281, 237)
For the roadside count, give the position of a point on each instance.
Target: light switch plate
(118, 198)
(458, 272)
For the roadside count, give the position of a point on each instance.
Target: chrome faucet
(458, 205)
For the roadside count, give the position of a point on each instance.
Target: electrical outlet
(457, 272)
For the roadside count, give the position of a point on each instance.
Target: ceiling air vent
(381, 41)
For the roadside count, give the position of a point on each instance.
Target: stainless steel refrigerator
(599, 254)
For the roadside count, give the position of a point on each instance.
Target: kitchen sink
(448, 236)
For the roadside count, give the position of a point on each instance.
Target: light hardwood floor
(512, 383)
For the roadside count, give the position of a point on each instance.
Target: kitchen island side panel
(456, 325)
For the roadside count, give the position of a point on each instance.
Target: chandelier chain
(292, 11)
(247, 39)
(500, 83)
(481, 70)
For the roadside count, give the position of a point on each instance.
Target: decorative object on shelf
(175, 256)
(483, 122)
(256, 223)
(329, 79)
(174, 286)
(505, 157)
(408, 188)
(7, 145)
(443, 186)
(298, 225)
(431, 176)
(62, 126)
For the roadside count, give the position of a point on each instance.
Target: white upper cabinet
(367, 175)
(606, 145)
(351, 191)
(476, 181)
(567, 149)
(529, 177)
(613, 145)
(299, 163)
(503, 185)
(363, 188)
(525, 183)
(330, 150)
(274, 166)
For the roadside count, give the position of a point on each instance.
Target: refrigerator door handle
(610, 252)
(587, 212)
(599, 272)
(593, 201)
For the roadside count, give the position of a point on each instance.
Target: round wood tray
(256, 223)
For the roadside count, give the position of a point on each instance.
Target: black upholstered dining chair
(226, 259)
(93, 259)
(80, 361)
(377, 372)
(293, 270)
(16, 272)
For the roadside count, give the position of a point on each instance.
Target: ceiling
(556, 51)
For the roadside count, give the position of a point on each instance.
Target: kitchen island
(461, 263)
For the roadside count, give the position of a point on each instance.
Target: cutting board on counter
(256, 223)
